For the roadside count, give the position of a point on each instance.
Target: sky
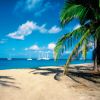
(31, 27)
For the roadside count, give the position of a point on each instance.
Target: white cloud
(67, 52)
(26, 49)
(54, 29)
(46, 7)
(90, 44)
(42, 28)
(36, 6)
(23, 30)
(77, 26)
(51, 46)
(32, 4)
(28, 5)
(15, 36)
(2, 41)
(33, 47)
(27, 29)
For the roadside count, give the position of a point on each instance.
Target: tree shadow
(92, 77)
(83, 68)
(74, 73)
(8, 81)
(47, 71)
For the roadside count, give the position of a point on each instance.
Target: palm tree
(88, 12)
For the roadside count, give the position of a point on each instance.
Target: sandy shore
(43, 84)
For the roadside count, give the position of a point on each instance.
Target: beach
(46, 84)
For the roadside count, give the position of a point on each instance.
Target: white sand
(32, 84)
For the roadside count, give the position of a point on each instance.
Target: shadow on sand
(8, 81)
(84, 73)
(48, 71)
(74, 73)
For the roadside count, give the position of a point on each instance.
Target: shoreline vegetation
(48, 83)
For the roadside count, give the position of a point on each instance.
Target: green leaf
(60, 44)
(99, 3)
(86, 34)
(71, 11)
(84, 48)
(97, 33)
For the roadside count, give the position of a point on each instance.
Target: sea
(19, 63)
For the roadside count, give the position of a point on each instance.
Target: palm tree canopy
(88, 12)
(82, 9)
(60, 46)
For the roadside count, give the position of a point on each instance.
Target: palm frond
(71, 11)
(67, 37)
(84, 48)
(86, 34)
(97, 33)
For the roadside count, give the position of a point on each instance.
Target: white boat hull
(29, 59)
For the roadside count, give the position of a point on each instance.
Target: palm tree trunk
(98, 54)
(65, 70)
(95, 55)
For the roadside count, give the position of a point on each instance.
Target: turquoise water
(23, 63)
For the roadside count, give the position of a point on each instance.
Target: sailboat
(9, 58)
(43, 56)
(46, 56)
(29, 58)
